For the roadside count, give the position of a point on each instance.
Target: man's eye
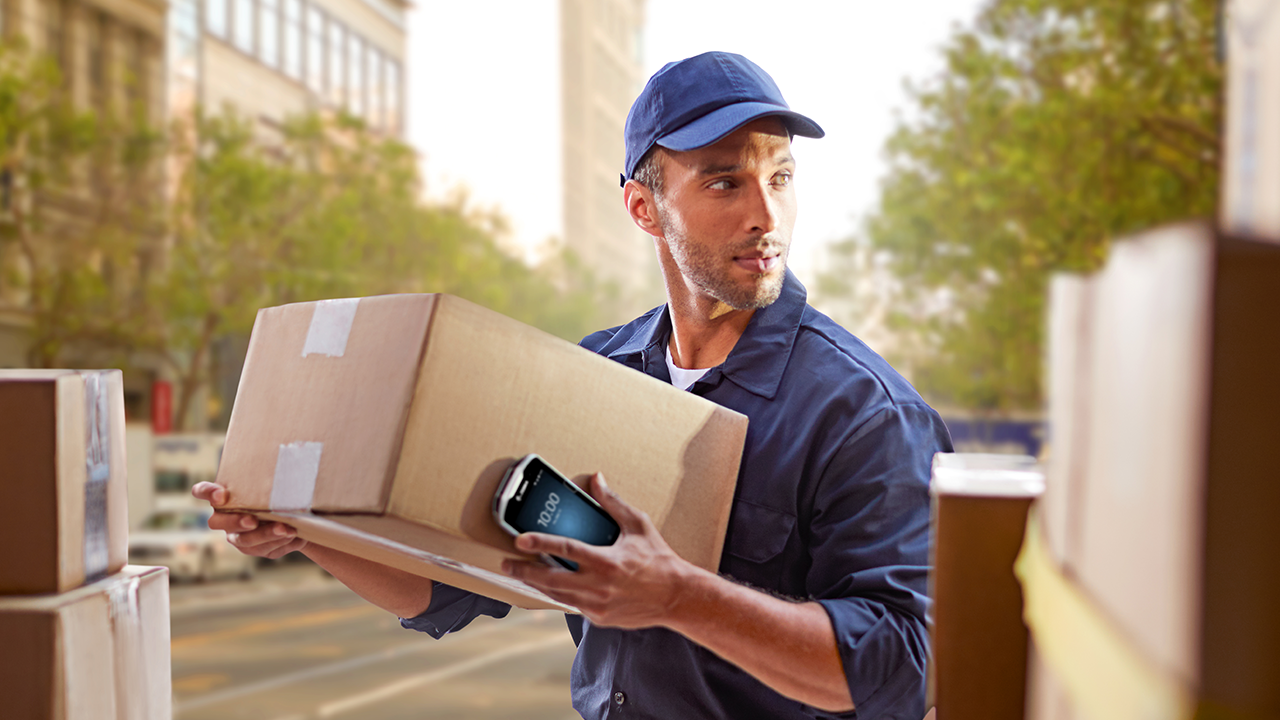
(724, 184)
(782, 179)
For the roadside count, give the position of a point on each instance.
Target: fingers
(232, 522)
(629, 519)
(291, 546)
(213, 493)
(557, 545)
(557, 582)
(269, 540)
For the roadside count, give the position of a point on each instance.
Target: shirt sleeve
(870, 545)
(452, 609)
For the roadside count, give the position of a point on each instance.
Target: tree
(326, 209)
(1056, 126)
(126, 245)
(80, 218)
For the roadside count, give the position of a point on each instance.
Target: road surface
(294, 644)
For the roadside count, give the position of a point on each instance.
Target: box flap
(1141, 534)
(421, 551)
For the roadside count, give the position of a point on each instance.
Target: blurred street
(294, 644)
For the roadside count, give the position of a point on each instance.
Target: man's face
(726, 214)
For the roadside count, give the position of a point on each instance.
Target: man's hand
(633, 583)
(271, 540)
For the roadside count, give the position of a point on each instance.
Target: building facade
(110, 55)
(273, 59)
(601, 74)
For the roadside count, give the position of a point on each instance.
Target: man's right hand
(249, 535)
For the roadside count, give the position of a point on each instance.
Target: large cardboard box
(99, 652)
(1251, 126)
(64, 513)
(382, 426)
(1162, 480)
(980, 504)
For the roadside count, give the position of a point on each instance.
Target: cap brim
(715, 125)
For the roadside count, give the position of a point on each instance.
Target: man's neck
(702, 337)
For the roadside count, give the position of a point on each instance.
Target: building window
(391, 86)
(293, 34)
(215, 17)
(98, 61)
(269, 32)
(55, 15)
(315, 50)
(355, 75)
(337, 59)
(137, 83)
(373, 81)
(243, 19)
(183, 63)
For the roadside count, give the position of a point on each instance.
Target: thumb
(213, 493)
(629, 518)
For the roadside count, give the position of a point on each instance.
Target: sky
(484, 95)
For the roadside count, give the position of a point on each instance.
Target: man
(819, 607)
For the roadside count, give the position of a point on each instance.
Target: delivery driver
(819, 607)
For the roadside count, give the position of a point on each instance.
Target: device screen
(548, 503)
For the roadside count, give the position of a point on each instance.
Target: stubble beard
(702, 267)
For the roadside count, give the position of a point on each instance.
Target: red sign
(161, 407)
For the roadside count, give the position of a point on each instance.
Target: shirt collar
(758, 359)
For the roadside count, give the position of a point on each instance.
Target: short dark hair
(648, 171)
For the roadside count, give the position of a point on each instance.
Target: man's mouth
(758, 262)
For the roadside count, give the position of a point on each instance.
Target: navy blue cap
(694, 102)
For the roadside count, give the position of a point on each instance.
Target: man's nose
(763, 210)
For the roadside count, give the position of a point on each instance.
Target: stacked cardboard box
(71, 650)
(66, 501)
(980, 507)
(1162, 484)
(382, 426)
(99, 652)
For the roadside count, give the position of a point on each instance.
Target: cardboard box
(1162, 503)
(64, 499)
(382, 426)
(1251, 126)
(980, 504)
(99, 652)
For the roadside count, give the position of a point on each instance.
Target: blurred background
(167, 168)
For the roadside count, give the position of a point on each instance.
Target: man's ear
(642, 207)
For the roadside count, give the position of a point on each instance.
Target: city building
(269, 61)
(110, 54)
(273, 59)
(601, 73)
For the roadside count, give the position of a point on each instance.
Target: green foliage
(1056, 126)
(326, 209)
(77, 205)
(127, 246)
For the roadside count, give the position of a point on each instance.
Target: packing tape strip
(97, 476)
(294, 483)
(1102, 673)
(330, 327)
(126, 620)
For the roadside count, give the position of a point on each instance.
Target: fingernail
(524, 542)
(248, 522)
(280, 530)
(508, 567)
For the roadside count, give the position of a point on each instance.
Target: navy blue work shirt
(832, 505)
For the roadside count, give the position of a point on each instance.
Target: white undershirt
(681, 378)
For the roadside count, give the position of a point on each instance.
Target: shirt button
(619, 698)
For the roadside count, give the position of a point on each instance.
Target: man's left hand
(633, 583)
